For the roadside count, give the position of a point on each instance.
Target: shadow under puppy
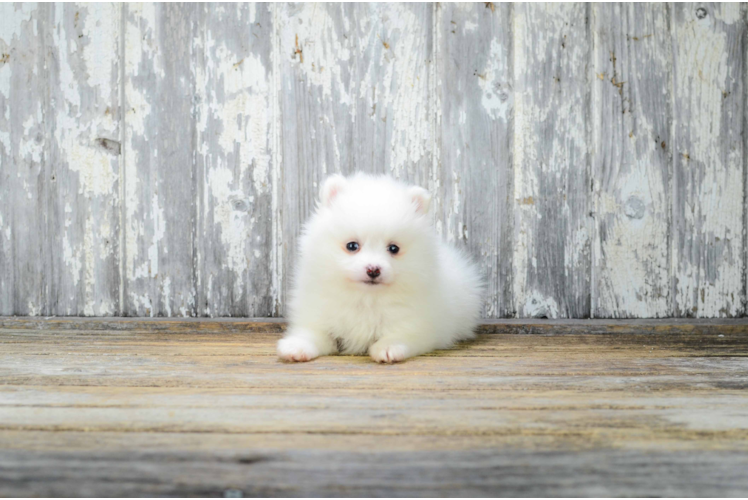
(373, 276)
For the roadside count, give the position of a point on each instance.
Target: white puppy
(374, 276)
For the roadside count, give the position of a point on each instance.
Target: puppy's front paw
(297, 349)
(388, 352)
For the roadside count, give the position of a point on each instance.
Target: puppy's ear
(421, 199)
(332, 187)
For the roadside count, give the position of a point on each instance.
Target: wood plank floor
(126, 407)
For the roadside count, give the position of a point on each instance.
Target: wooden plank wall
(160, 159)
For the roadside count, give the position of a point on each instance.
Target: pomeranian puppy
(373, 276)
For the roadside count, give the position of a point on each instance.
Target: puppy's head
(371, 232)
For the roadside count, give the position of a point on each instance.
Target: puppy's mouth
(372, 282)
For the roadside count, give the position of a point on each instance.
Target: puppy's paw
(297, 349)
(389, 352)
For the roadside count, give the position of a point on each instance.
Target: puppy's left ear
(421, 199)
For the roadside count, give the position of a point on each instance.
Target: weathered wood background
(159, 160)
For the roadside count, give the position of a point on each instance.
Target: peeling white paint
(470, 26)
(7, 231)
(101, 50)
(728, 13)
(16, 19)
(409, 104)
(538, 31)
(21, 151)
(66, 45)
(235, 144)
(89, 273)
(321, 54)
(396, 84)
(537, 305)
(5, 74)
(630, 255)
(497, 96)
(139, 49)
(86, 41)
(30, 148)
(244, 113)
(71, 259)
(145, 222)
(34, 309)
(351, 63)
(704, 76)
(96, 173)
(143, 303)
(159, 230)
(166, 296)
(233, 223)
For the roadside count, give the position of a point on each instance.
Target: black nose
(373, 272)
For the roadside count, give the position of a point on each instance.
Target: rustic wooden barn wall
(160, 159)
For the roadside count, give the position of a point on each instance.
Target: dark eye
(393, 249)
(352, 246)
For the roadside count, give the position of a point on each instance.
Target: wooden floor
(107, 407)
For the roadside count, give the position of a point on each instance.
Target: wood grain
(708, 175)
(235, 159)
(474, 177)
(84, 127)
(205, 412)
(631, 167)
(551, 161)
(25, 265)
(414, 474)
(160, 187)
(393, 64)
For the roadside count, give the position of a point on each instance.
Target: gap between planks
(277, 325)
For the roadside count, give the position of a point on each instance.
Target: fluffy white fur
(427, 295)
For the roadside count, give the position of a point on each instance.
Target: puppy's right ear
(421, 199)
(331, 188)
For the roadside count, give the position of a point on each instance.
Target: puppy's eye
(352, 246)
(393, 249)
